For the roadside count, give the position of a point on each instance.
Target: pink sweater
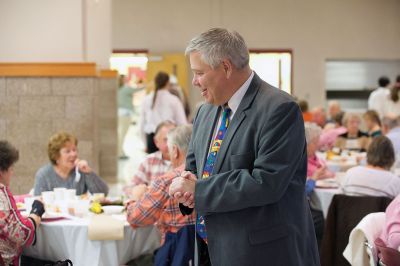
(391, 231)
(313, 163)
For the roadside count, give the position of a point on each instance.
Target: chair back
(344, 213)
(387, 256)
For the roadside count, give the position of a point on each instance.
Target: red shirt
(15, 230)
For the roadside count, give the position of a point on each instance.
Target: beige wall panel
(32, 157)
(73, 86)
(9, 107)
(3, 130)
(108, 123)
(38, 108)
(108, 167)
(79, 107)
(108, 104)
(23, 131)
(28, 86)
(2, 88)
(21, 184)
(86, 153)
(82, 129)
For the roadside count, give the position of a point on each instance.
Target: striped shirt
(157, 207)
(15, 230)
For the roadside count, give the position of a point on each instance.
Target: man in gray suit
(246, 163)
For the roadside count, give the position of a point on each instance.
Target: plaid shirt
(156, 206)
(152, 166)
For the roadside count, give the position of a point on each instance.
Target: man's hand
(137, 192)
(183, 187)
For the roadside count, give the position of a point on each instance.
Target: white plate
(327, 183)
(113, 209)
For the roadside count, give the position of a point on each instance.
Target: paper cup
(28, 203)
(69, 194)
(48, 197)
(59, 193)
(81, 208)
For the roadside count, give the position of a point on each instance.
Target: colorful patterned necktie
(208, 168)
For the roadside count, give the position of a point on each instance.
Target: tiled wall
(32, 109)
(108, 126)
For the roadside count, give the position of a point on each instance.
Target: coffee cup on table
(28, 203)
(59, 193)
(70, 194)
(48, 197)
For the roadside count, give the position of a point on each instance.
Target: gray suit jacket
(254, 204)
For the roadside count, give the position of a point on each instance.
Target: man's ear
(175, 152)
(156, 142)
(227, 66)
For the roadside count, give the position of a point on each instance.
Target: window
(132, 64)
(275, 67)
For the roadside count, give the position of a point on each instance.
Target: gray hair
(312, 131)
(218, 44)
(180, 136)
(349, 116)
(390, 121)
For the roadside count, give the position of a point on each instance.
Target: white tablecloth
(68, 239)
(325, 196)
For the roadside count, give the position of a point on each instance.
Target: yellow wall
(165, 62)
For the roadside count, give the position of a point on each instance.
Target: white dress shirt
(377, 99)
(233, 104)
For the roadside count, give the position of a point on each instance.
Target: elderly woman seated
(316, 169)
(374, 179)
(16, 231)
(354, 138)
(66, 169)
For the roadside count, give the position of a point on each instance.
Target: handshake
(183, 187)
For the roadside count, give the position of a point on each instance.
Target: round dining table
(60, 239)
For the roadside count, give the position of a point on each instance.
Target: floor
(134, 149)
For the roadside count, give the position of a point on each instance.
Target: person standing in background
(159, 106)
(125, 112)
(378, 97)
(391, 105)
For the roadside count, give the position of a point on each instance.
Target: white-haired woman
(354, 138)
(316, 169)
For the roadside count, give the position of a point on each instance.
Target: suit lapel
(237, 120)
(206, 138)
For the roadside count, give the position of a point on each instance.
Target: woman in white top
(157, 107)
(374, 179)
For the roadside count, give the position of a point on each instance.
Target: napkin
(105, 227)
